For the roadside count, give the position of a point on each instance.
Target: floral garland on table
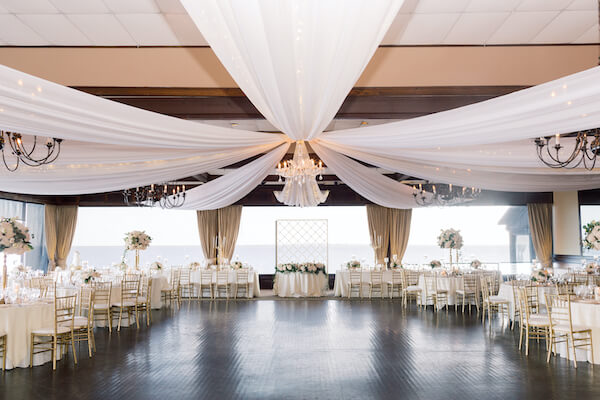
(137, 240)
(157, 265)
(540, 276)
(592, 235)
(475, 264)
(309, 267)
(353, 264)
(14, 237)
(450, 239)
(435, 264)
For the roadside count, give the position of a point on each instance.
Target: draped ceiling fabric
(540, 226)
(296, 61)
(60, 223)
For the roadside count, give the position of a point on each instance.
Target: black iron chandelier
(585, 150)
(13, 142)
(166, 195)
(442, 194)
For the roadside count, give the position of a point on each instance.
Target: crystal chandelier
(300, 174)
(166, 195)
(442, 194)
(14, 142)
(585, 150)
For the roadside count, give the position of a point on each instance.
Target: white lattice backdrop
(301, 240)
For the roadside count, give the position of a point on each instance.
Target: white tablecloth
(18, 321)
(449, 283)
(506, 292)
(588, 316)
(254, 287)
(300, 284)
(342, 277)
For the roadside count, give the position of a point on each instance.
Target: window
(588, 214)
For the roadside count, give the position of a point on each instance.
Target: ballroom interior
(292, 199)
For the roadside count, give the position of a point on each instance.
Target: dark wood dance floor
(314, 349)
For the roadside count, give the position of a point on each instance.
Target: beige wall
(566, 231)
(390, 66)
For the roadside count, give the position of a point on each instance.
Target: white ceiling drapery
(296, 61)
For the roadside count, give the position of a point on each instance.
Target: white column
(565, 219)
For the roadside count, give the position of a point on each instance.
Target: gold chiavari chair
(396, 284)
(222, 283)
(533, 298)
(83, 325)
(186, 288)
(491, 303)
(61, 334)
(3, 350)
(241, 283)
(467, 293)
(533, 326)
(171, 292)
(376, 283)
(516, 317)
(144, 298)
(102, 303)
(565, 288)
(128, 302)
(411, 290)
(206, 283)
(578, 278)
(355, 282)
(48, 288)
(562, 329)
(441, 295)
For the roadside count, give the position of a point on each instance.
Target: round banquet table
(300, 284)
(585, 313)
(506, 292)
(254, 282)
(18, 321)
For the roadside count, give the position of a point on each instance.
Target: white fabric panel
(96, 178)
(514, 181)
(295, 60)
(365, 181)
(565, 105)
(35, 106)
(231, 187)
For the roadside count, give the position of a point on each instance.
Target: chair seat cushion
(413, 289)
(498, 299)
(141, 300)
(50, 331)
(566, 328)
(129, 303)
(460, 291)
(539, 320)
(101, 306)
(79, 322)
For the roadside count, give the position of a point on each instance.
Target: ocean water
(262, 257)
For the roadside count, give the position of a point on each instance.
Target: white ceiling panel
(428, 28)
(170, 7)
(441, 6)
(56, 29)
(149, 29)
(521, 27)
(481, 6)
(475, 26)
(29, 6)
(14, 32)
(591, 5)
(591, 36)
(102, 29)
(396, 30)
(80, 6)
(185, 30)
(132, 6)
(568, 25)
(544, 5)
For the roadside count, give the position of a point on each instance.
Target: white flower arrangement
(353, 264)
(475, 264)
(90, 276)
(309, 267)
(450, 239)
(137, 240)
(194, 265)
(435, 264)
(592, 235)
(14, 237)
(396, 265)
(591, 268)
(156, 265)
(237, 265)
(540, 276)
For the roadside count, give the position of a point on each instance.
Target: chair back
(485, 287)
(222, 278)
(102, 293)
(524, 307)
(430, 284)
(175, 278)
(129, 291)
(469, 283)
(206, 277)
(356, 277)
(241, 277)
(397, 278)
(559, 310)
(376, 278)
(86, 301)
(64, 311)
(184, 276)
(533, 301)
(412, 277)
(48, 288)
(145, 287)
(579, 278)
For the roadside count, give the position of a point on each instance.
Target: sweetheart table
(300, 284)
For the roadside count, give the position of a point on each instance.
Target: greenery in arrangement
(14, 237)
(90, 276)
(450, 239)
(353, 264)
(592, 235)
(540, 276)
(435, 264)
(475, 264)
(395, 265)
(237, 265)
(156, 265)
(137, 240)
(310, 267)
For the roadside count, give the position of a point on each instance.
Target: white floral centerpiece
(137, 240)
(194, 265)
(540, 276)
(435, 264)
(353, 264)
(90, 276)
(592, 235)
(237, 265)
(475, 264)
(394, 264)
(591, 268)
(450, 239)
(157, 265)
(14, 239)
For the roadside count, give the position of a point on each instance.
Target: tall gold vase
(137, 259)
(450, 253)
(4, 273)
